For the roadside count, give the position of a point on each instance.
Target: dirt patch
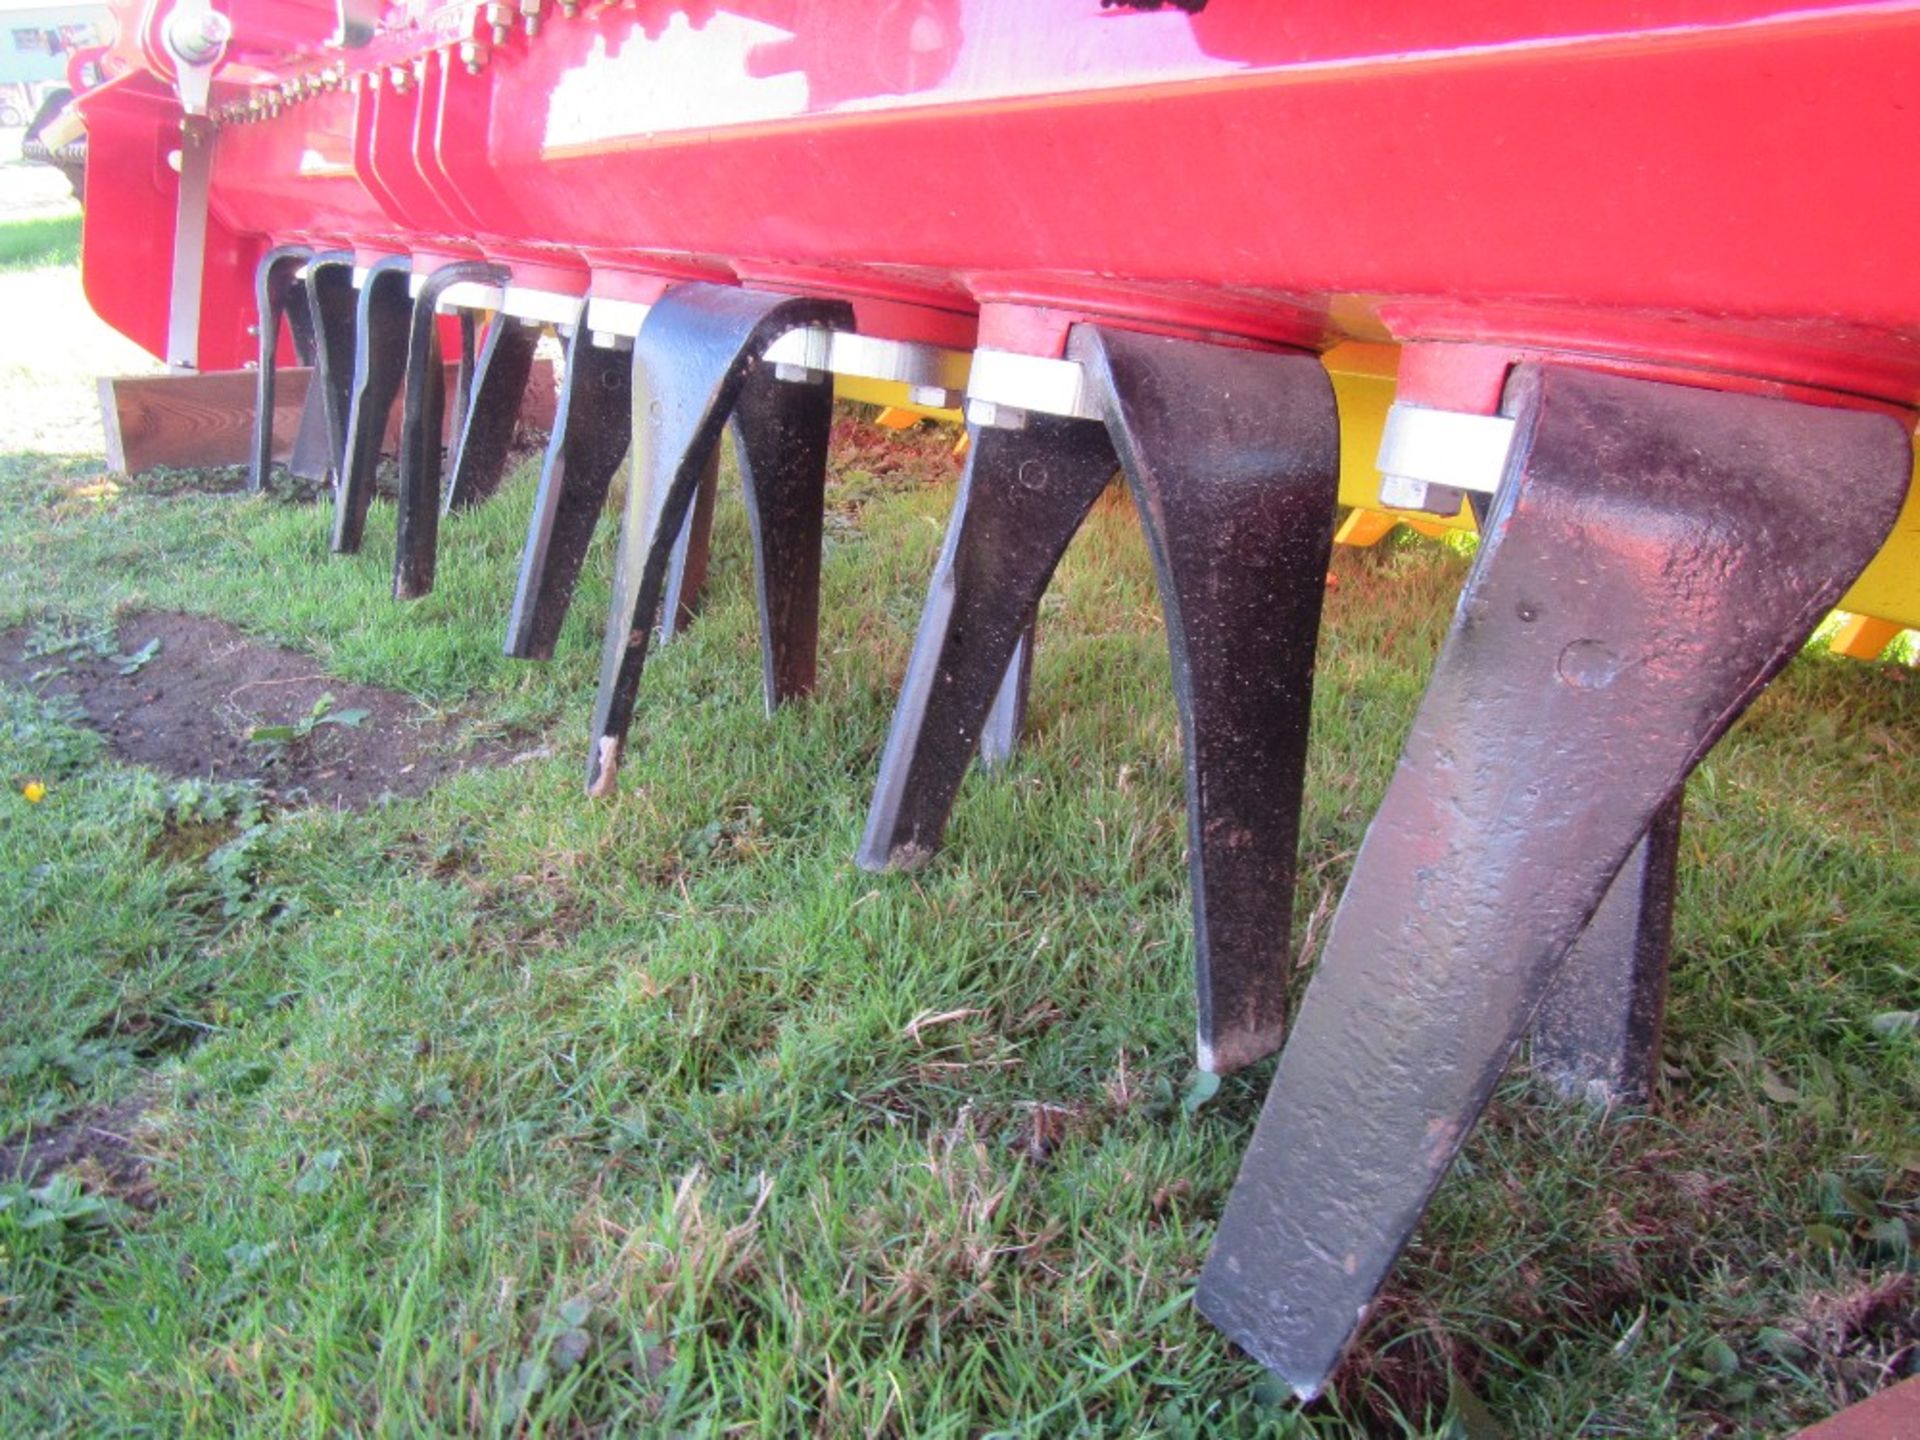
(94, 1145)
(183, 694)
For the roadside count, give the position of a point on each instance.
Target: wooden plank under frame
(191, 421)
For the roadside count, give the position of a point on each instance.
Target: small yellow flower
(34, 791)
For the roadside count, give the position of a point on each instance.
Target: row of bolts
(473, 54)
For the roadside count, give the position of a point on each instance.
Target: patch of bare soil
(183, 694)
(94, 1145)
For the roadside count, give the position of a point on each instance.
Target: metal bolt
(500, 17)
(798, 374)
(397, 77)
(934, 397)
(530, 10)
(198, 38)
(473, 55)
(991, 415)
(1397, 492)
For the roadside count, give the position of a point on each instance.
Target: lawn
(498, 1110)
(39, 242)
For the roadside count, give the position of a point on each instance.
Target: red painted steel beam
(1712, 183)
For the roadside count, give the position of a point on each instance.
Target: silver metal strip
(549, 307)
(1006, 381)
(934, 375)
(189, 244)
(467, 295)
(614, 318)
(1424, 446)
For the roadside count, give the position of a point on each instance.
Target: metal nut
(1398, 492)
(991, 415)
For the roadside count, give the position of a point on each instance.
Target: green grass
(503, 1111)
(40, 241)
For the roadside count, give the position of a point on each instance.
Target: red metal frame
(1709, 184)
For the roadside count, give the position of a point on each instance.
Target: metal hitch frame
(1655, 553)
(1233, 459)
(382, 324)
(698, 364)
(424, 418)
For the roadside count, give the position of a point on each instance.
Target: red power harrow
(1650, 272)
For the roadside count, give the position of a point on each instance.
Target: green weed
(279, 737)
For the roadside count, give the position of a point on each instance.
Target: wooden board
(191, 421)
(1893, 1414)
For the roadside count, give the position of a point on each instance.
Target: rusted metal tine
(469, 325)
(1232, 456)
(780, 431)
(332, 307)
(1596, 1036)
(312, 455)
(381, 331)
(479, 460)
(687, 568)
(278, 293)
(592, 424)
(1655, 554)
(592, 427)
(423, 421)
(1007, 720)
(697, 361)
(1022, 496)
